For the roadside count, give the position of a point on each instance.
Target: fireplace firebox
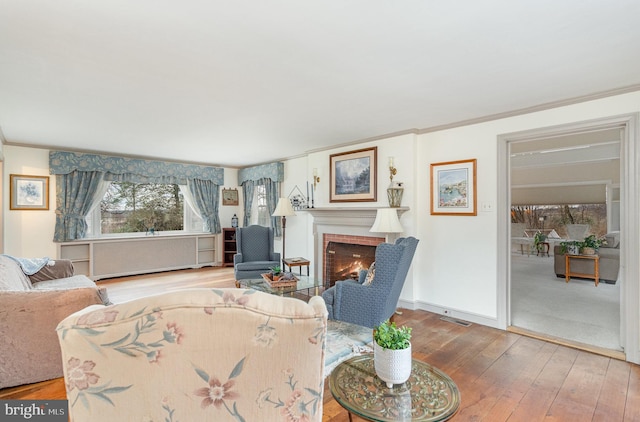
(345, 260)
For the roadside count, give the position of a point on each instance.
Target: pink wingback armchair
(196, 355)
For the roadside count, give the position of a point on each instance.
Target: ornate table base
(428, 395)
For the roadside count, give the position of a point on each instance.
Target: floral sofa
(30, 308)
(196, 355)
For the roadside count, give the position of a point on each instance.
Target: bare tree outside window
(139, 207)
(556, 217)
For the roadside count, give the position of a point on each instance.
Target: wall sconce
(392, 171)
(316, 179)
(395, 191)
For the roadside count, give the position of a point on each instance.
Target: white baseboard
(452, 313)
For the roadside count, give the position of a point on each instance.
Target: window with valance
(267, 177)
(82, 180)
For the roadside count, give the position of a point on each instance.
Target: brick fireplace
(342, 225)
(346, 255)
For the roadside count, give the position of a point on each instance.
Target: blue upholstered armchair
(369, 305)
(255, 252)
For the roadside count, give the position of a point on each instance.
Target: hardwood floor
(502, 376)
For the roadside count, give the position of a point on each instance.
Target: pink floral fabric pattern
(197, 355)
(216, 393)
(301, 405)
(81, 383)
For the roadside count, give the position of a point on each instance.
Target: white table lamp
(284, 210)
(386, 222)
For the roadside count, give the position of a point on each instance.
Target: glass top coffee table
(428, 395)
(304, 283)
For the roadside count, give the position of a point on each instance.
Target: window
(139, 207)
(260, 211)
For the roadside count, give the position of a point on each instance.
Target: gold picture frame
(28, 192)
(229, 196)
(353, 176)
(453, 188)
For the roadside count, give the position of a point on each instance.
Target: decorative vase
(573, 250)
(392, 366)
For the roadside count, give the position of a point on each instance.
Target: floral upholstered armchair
(196, 355)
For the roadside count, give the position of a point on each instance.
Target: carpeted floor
(576, 311)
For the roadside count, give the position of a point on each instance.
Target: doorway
(541, 150)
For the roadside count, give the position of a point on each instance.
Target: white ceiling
(241, 82)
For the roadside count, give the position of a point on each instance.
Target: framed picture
(453, 188)
(28, 192)
(353, 176)
(229, 196)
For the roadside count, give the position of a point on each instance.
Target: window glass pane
(260, 212)
(138, 207)
(193, 222)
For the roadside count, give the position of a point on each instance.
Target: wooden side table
(297, 262)
(596, 267)
(543, 248)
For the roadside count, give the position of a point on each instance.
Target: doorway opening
(583, 163)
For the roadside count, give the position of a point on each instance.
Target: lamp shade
(386, 221)
(283, 209)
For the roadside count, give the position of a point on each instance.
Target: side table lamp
(283, 210)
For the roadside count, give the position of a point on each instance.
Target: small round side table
(428, 395)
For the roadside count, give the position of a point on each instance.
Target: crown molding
(534, 109)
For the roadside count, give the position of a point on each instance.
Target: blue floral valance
(61, 162)
(273, 171)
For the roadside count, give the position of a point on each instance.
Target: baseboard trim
(453, 313)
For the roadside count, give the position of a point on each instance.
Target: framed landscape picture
(229, 196)
(453, 188)
(353, 176)
(28, 192)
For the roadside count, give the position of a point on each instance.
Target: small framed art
(453, 188)
(353, 176)
(229, 196)
(28, 192)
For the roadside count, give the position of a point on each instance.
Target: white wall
(226, 211)
(28, 233)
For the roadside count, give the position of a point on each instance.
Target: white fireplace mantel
(355, 221)
(357, 216)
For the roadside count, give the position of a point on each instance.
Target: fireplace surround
(343, 224)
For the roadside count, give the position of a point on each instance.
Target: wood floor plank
(509, 401)
(536, 402)
(613, 395)
(578, 396)
(632, 406)
(499, 378)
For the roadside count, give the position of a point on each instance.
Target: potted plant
(275, 273)
(392, 353)
(572, 247)
(590, 245)
(538, 240)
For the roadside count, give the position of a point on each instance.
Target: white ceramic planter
(392, 366)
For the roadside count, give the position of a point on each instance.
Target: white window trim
(95, 228)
